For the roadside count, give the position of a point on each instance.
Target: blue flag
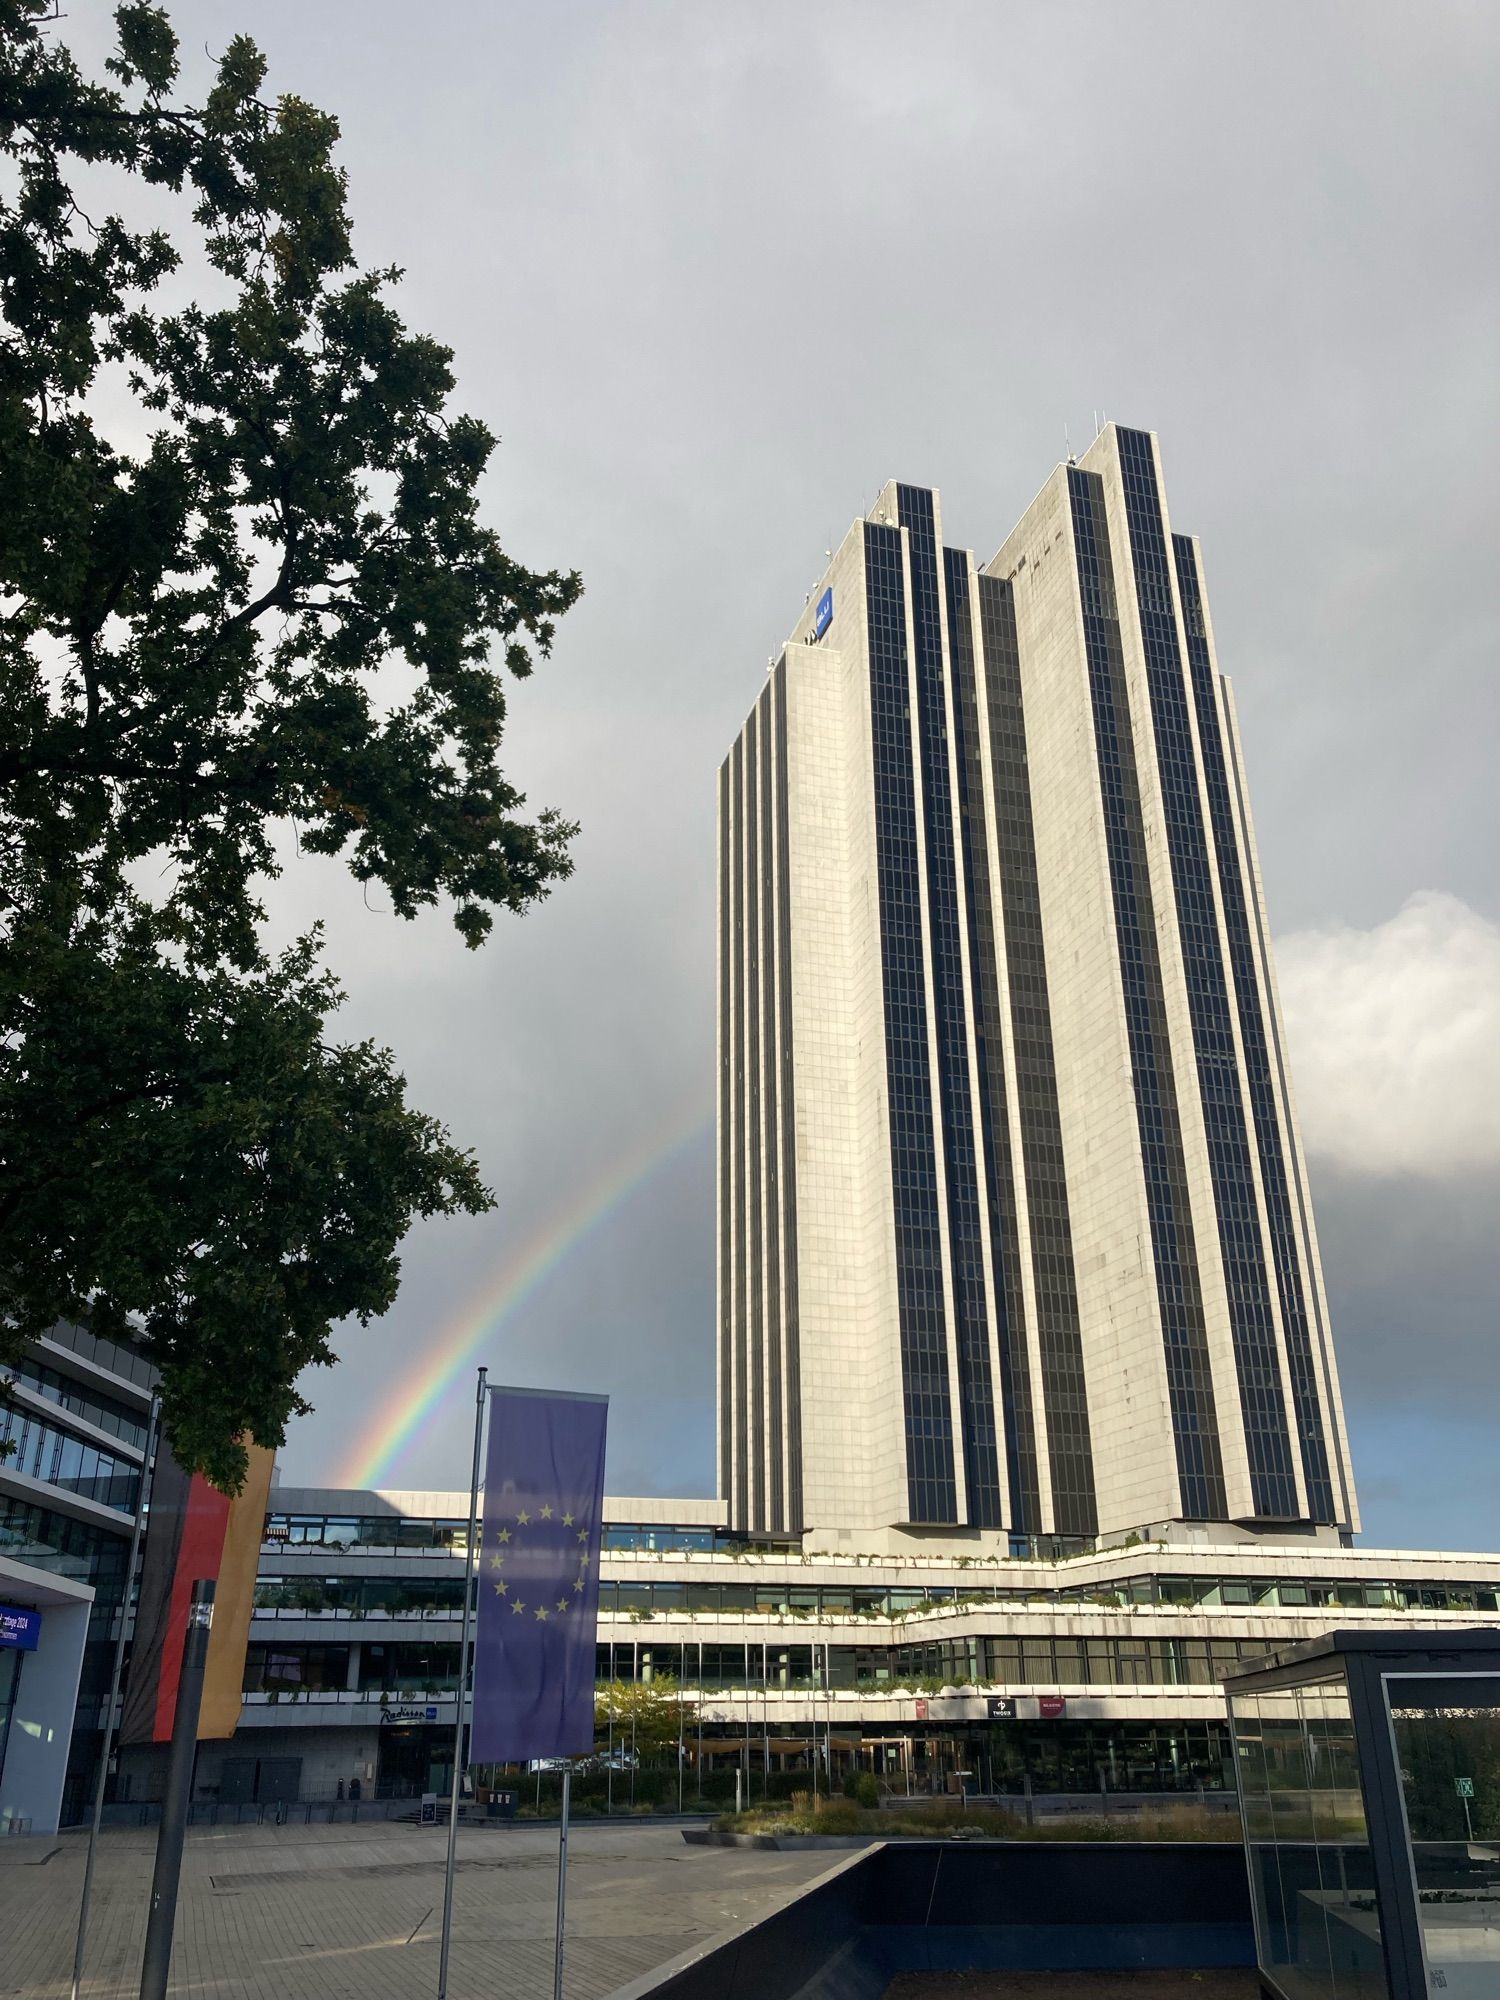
(538, 1577)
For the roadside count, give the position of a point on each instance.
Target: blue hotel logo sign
(19, 1628)
(823, 616)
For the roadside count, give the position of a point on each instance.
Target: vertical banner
(538, 1577)
(193, 1531)
(184, 1541)
(239, 1564)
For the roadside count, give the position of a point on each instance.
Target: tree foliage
(643, 1716)
(244, 588)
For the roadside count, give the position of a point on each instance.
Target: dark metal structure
(1369, 1775)
(968, 1906)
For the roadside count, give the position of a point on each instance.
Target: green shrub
(948, 1819)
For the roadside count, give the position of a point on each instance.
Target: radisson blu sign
(823, 616)
(20, 1628)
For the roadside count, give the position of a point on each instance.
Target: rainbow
(416, 1396)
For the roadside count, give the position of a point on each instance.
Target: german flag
(193, 1531)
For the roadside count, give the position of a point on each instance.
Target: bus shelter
(1368, 1766)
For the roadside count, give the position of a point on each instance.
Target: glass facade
(1235, 898)
(759, 1405)
(41, 1450)
(977, 1425)
(786, 1128)
(1446, 1734)
(983, 765)
(48, 1540)
(1059, 1334)
(1018, 1421)
(299, 1596)
(726, 1123)
(739, 1141)
(753, 1146)
(1252, 1321)
(1312, 1882)
(1195, 1425)
(113, 1355)
(1369, 1772)
(931, 1484)
(401, 1532)
(107, 1413)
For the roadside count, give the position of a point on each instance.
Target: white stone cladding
(816, 1392)
(1130, 1420)
(1312, 1262)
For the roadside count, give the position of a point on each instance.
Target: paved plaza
(318, 1913)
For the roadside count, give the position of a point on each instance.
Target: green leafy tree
(645, 1715)
(245, 595)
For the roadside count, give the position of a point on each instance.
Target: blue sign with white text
(20, 1628)
(823, 616)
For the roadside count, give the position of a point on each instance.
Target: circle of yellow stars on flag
(511, 1537)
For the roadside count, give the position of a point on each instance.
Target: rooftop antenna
(1068, 446)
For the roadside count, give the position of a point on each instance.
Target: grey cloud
(1413, 1268)
(1395, 1037)
(714, 275)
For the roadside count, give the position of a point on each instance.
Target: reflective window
(1174, 1250)
(1312, 1885)
(108, 1413)
(1448, 1754)
(931, 1484)
(41, 1450)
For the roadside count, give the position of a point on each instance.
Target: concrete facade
(1015, 1244)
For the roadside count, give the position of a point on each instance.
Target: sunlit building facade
(1015, 1244)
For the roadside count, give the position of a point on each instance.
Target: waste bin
(501, 1805)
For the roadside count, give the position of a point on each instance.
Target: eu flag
(538, 1577)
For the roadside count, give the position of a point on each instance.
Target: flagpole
(562, 1884)
(463, 1675)
(153, 1417)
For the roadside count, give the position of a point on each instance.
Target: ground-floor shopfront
(410, 1752)
(1003, 1757)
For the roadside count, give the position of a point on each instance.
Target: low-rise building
(73, 1427)
(1100, 1671)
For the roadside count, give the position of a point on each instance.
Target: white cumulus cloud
(1395, 1039)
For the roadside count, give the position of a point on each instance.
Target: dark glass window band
(1273, 1485)
(976, 1415)
(1234, 896)
(931, 1486)
(1190, 1394)
(1059, 1331)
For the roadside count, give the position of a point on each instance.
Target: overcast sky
(714, 274)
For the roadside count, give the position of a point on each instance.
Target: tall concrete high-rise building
(1014, 1230)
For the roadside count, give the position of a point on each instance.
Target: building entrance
(414, 1757)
